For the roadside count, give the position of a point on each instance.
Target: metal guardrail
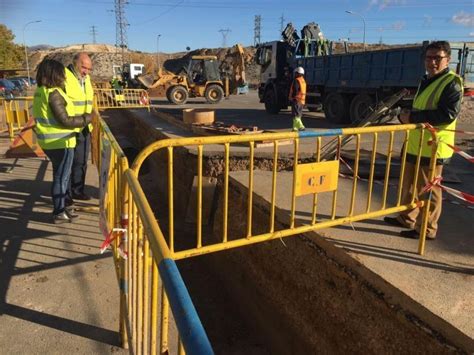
(150, 283)
(299, 171)
(17, 112)
(125, 98)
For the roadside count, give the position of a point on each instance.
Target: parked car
(32, 80)
(8, 90)
(21, 84)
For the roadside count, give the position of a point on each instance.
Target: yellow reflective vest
(81, 98)
(50, 133)
(428, 99)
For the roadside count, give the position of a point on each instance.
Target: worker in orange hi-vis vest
(297, 98)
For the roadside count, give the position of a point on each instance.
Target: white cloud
(471, 34)
(382, 4)
(398, 26)
(463, 18)
(427, 20)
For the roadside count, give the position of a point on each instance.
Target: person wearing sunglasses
(437, 102)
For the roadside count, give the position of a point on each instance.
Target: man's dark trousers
(79, 164)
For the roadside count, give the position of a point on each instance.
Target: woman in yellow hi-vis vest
(56, 128)
(437, 102)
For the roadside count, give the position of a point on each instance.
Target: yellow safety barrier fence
(125, 98)
(16, 112)
(150, 283)
(358, 206)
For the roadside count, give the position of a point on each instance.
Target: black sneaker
(82, 196)
(393, 221)
(413, 234)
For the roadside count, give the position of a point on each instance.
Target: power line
(121, 28)
(282, 22)
(93, 33)
(224, 33)
(257, 30)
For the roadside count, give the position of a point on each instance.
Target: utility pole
(282, 22)
(94, 33)
(121, 27)
(257, 29)
(224, 33)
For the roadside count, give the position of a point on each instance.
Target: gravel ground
(467, 111)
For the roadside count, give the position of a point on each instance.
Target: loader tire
(214, 94)
(178, 95)
(168, 94)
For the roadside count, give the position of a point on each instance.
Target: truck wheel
(360, 107)
(271, 104)
(178, 95)
(214, 94)
(336, 108)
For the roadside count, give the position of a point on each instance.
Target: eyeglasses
(436, 58)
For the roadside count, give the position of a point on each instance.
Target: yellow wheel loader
(200, 78)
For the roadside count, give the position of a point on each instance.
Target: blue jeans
(79, 165)
(62, 163)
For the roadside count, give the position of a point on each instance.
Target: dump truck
(346, 85)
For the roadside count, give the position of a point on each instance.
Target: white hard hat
(299, 70)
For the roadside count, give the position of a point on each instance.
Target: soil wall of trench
(304, 295)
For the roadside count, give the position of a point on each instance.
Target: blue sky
(196, 24)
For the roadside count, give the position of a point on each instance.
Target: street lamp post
(363, 20)
(158, 50)
(26, 52)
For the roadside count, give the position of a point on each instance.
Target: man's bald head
(82, 64)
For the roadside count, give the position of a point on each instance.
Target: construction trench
(300, 295)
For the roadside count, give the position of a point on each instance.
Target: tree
(11, 54)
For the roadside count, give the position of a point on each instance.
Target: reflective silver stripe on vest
(47, 121)
(54, 135)
(82, 103)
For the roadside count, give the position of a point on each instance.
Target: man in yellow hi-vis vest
(437, 102)
(80, 91)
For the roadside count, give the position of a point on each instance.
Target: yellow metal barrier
(149, 280)
(126, 98)
(17, 112)
(300, 172)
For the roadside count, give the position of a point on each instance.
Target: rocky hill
(104, 57)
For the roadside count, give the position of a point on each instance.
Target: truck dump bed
(399, 67)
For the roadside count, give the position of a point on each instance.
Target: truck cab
(275, 75)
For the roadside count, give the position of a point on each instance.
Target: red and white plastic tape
(114, 233)
(457, 150)
(458, 194)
